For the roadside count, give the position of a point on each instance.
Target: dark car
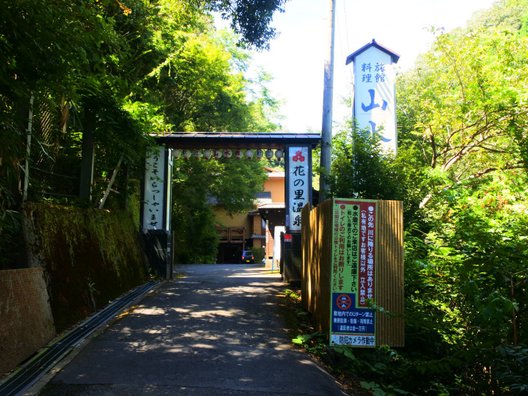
(248, 257)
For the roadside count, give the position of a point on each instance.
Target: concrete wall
(89, 256)
(26, 322)
(275, 185)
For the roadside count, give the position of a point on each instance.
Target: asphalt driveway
(214, 330)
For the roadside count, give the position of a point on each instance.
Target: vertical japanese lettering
(154, 189)
(353, 273)
(298, 185)
(374, 94)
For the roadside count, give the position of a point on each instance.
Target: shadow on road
(215, 330)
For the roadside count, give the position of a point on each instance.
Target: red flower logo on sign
(298, 156)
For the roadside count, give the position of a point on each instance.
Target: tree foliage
(250, 18)
(466, 101)
(229, 183)
(461, 171)
(118, 70)
(360, 169)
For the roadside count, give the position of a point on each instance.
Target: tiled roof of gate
(262, 140)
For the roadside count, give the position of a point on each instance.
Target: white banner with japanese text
(299, 185)
(154, 204)
(374, 96)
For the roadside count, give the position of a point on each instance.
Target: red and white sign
(299, 185)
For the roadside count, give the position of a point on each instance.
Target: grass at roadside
(303, 334)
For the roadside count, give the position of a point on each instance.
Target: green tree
(250, 18)
(118, 71)
(463, 114)
(360, 169)
(200, 184)
(466, 102)
(461, 172)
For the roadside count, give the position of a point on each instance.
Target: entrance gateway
(295, 148)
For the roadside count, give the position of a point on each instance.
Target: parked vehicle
(248, 257)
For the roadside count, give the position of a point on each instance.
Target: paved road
(216, 330)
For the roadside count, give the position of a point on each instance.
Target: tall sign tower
(374, 92)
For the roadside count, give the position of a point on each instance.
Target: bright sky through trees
(296, 56)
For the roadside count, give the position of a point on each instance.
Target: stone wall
(26, 322)
(90, 257)
(79, 259)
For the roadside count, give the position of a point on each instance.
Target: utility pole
(328, 93)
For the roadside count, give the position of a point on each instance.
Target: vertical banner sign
(168, 190)
(352, 322)
(154, 190)
(374, 93)
(299, 185)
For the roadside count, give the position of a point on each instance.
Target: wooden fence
(317, 240)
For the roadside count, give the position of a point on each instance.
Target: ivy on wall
(90, 257)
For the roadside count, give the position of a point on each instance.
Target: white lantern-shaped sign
(176, 153)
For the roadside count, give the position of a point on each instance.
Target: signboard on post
(299, 186)
(374, 92)
(155, 203)
(352, 320)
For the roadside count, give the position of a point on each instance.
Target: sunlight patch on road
(224, 313)
(246, 354)
(149, 311)
(202, 346)
(178, 349)
(243, 290)
(201, 335)
(154, 331)
(256, 274)
(181, 310)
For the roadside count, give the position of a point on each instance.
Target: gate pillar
(156, 210)
(298, 193)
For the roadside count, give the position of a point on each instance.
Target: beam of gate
(237, 140)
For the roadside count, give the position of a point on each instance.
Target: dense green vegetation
(461, 172)
(91, 257)
(103, 75)
(117, 70)
(232, 184)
